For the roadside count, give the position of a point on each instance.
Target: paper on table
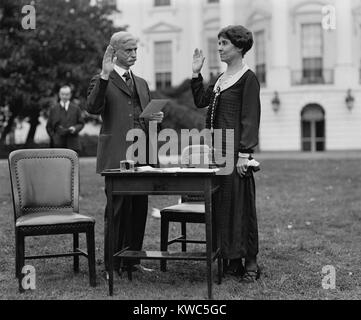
(154, 106)
(147, 169)
(173, 169)
(198, 170)
(151, 169)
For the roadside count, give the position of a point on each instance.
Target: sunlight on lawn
(309, 217)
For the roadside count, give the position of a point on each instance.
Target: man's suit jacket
(112, 100)
(58, 123)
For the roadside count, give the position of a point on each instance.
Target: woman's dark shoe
(234, 268)
(251, 276)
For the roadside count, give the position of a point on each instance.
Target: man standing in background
(65, 122)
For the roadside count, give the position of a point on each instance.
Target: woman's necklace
(214, 106)
(227, 76)
(223, 81)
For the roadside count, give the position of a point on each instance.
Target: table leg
(209, 239)
(110, 215)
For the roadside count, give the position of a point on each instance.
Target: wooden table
(164, 183)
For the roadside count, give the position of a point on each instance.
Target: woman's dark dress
(238, 108)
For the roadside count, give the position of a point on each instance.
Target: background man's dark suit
(116, 104)
(59, 123)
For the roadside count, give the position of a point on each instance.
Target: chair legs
(75, 249)
(184, 235)
(129, 272)
(91, 255)
(19, 258)
(220, 269)
(164, 232)
(17, 267)
(20, 254)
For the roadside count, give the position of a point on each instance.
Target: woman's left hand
(242, 166)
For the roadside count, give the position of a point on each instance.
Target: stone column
(346, 74)
(278, 62)
(196, 21)
(227, 12)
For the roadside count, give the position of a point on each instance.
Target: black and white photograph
(183, 156)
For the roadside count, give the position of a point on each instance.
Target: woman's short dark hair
(239, 36)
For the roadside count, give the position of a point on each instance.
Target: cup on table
(127, 165)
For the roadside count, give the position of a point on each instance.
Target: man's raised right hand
(108, 62)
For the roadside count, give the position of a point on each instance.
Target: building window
(163, 64)
(163, 80)
(312, 53)
(260, 56)
(213, 57)
(161, 3)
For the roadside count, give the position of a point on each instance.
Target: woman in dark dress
(234, 103)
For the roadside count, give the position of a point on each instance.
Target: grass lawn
(309, 217)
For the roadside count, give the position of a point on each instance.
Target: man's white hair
(121, 37)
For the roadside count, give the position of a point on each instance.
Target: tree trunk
(34, 122)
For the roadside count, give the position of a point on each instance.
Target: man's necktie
(128, 81)
(63, 106)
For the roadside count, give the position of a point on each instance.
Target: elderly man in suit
(65, 122)
(119, 96)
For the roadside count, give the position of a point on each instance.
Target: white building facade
(307, 56)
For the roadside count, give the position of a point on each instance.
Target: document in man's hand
(154, 106)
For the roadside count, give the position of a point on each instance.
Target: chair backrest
(44, 180)
(196, 155)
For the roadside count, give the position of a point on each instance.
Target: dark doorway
(313, 128)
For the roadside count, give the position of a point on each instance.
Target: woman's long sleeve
(250, 115)
(201, 97)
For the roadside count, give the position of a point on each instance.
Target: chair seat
(186, 207)
(51, 217)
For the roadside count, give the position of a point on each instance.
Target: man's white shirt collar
(231, 80)
(119, 70)
(66, 106)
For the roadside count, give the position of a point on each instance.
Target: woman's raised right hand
(198, 60)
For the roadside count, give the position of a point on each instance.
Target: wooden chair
(190, 210)
(45, 192)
